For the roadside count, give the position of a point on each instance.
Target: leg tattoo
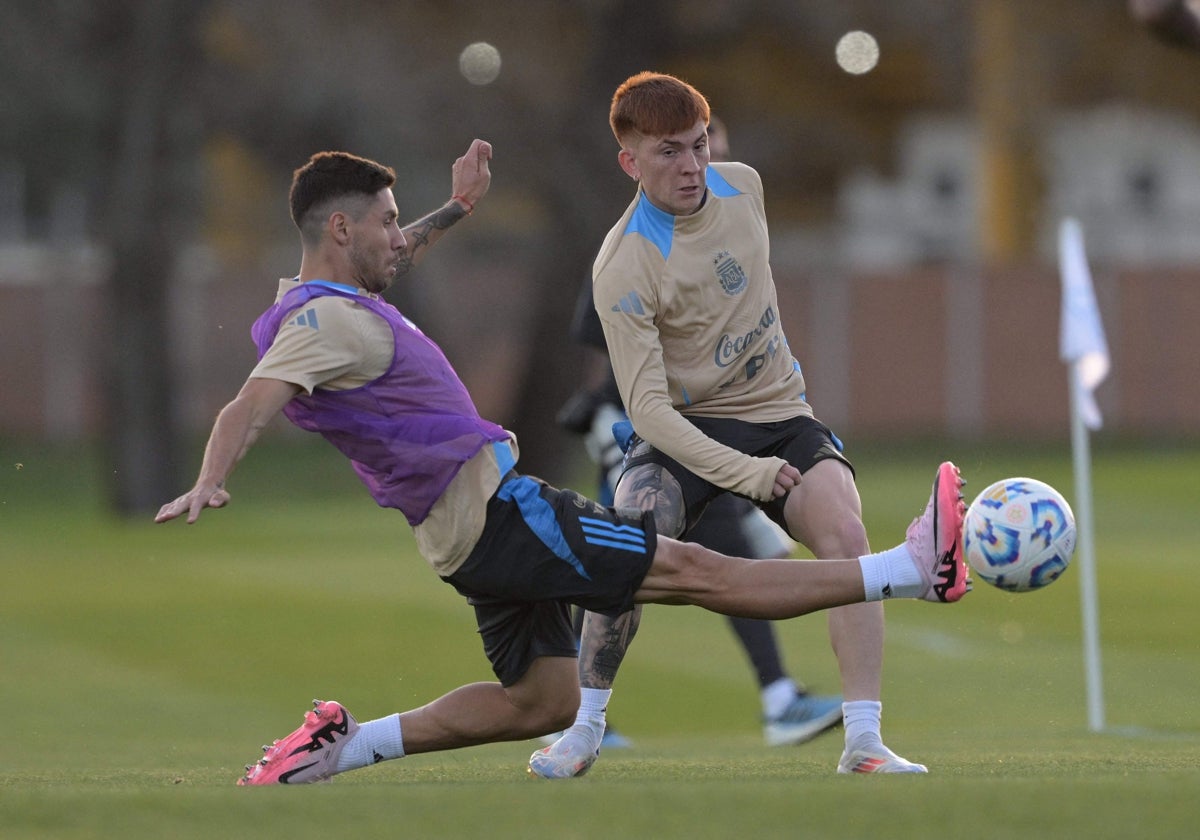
(603, 646)
(650, 487)
(604, 640)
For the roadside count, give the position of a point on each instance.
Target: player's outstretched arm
(237, 427)
(470, 178)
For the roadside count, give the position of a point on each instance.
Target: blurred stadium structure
(914, 208)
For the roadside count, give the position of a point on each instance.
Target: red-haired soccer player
(684, 290)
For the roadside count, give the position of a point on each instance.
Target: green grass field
(142, 666)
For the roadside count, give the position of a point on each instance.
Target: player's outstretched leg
(310, 754)
(929, 566)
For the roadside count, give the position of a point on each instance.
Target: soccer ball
(1019, 534)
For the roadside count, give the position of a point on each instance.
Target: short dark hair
(332, 175)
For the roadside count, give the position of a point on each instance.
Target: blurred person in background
(730, 524)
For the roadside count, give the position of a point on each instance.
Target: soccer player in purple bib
(338, 360)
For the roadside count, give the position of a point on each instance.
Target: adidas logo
(307, 318)
(611, 535)
(630, 304)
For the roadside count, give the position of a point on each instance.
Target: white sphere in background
(857, 52)
(479, 63)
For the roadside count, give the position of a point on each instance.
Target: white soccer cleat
(876, 758)
(571, 755)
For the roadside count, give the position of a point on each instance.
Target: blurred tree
(149, 49)
(97, 103)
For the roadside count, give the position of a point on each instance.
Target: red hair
(655, 105)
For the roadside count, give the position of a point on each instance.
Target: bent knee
(548, 696)
(562, 719)
(842, 537)
(550, 714)
(851, 536)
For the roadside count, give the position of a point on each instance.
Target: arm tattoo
(603, 646)
(418, 233)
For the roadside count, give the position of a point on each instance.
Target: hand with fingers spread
(193, 502)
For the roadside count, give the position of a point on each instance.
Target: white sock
(592, 703)
(862, 721)
(777, 696)
(890, 574)
(375, 741)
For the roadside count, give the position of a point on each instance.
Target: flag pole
(1085, 350)
(1081, 448)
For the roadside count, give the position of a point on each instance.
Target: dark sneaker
(805, 718)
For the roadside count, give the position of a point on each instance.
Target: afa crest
(729, 273)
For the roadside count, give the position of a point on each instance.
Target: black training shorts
(801, 441)
(542, 549)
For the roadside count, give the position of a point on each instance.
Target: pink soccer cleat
(935, 539)
(310, 753)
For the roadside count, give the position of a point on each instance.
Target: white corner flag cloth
(1081, 334)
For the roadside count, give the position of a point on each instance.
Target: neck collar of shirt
(342, 287)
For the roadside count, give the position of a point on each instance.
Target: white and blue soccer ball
(1019, 534)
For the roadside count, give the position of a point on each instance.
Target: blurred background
(146, 148)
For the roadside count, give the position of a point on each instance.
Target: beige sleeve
(322, 345)
(637, 360)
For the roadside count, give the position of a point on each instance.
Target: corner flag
(1083, 348)
(1081, 335)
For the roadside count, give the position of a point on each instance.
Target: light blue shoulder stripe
(719, 186)
(654, 224)
(504, 456)
(658, 226)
